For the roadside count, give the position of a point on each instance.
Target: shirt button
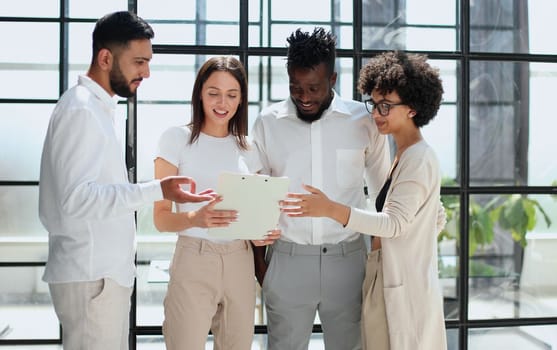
(324, 250)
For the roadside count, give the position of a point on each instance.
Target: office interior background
(494, 136)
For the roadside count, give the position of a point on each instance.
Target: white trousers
(94, 315)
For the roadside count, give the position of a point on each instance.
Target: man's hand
(172, 190)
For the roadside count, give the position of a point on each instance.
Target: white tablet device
(256, 198)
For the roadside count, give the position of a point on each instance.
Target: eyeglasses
(382, 107)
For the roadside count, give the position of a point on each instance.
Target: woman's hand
(207, 216)
(315, 204)
(270, 238)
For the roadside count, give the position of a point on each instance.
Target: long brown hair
(238, 125)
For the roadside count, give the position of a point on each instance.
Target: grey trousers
(304, 279)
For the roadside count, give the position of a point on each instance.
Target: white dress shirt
(86, 202)
(335, 154)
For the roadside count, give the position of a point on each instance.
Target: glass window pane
(19, 217)
(218, 10)
(278, 86)
(31, 8)
(449, 257)
(256, 78)
(345, 77)
(172, 78)
(510, 129)
(443, 132)
(80, 46)
(256, 36)
(541, 16)
(25, 306)
(223, 35)
(403, 24)
(151, 290)
(512, 265)
(29, 70)
(306, 11)
(452, 339)
(541, 124)
(280, 31)
(523, 337)
(439, 39)
(207, 22)
(15, 134)
(176, 33)
(95, 9)
(152, 121)
(494, 26)
(166, 9)
(512, 26)
(442, 135)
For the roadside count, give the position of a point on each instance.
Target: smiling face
(399, 116)
(311, 91)
(129, 67)
(220, 97)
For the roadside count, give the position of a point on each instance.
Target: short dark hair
(238, 125)
(117, 29)
(307, 50)
(410, 76)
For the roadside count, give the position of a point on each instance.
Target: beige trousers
(375, 332)
(94, 315)
(211, 287)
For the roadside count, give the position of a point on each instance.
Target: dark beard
(310, 118)
(118, 82)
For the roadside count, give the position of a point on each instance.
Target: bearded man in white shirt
(86, 202)
(316, 137)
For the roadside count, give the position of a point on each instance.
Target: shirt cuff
(358, 220)
(151, 191)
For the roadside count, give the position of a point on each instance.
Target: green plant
(517, 214)
(514, 213)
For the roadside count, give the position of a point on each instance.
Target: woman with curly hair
(403, 305)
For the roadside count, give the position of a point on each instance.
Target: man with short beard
(86, 202)
(317, 138)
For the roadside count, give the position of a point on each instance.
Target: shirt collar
(97, 90)
(337, 108)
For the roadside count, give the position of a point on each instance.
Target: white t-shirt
(203, 160)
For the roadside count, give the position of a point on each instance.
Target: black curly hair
(410, 76)
(307, 50)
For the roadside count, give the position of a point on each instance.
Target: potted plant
(515, 213)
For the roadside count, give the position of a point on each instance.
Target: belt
(341, 248)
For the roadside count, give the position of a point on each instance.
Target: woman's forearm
(339, 213)
(166, 221)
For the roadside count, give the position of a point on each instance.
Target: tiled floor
(41, 322)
